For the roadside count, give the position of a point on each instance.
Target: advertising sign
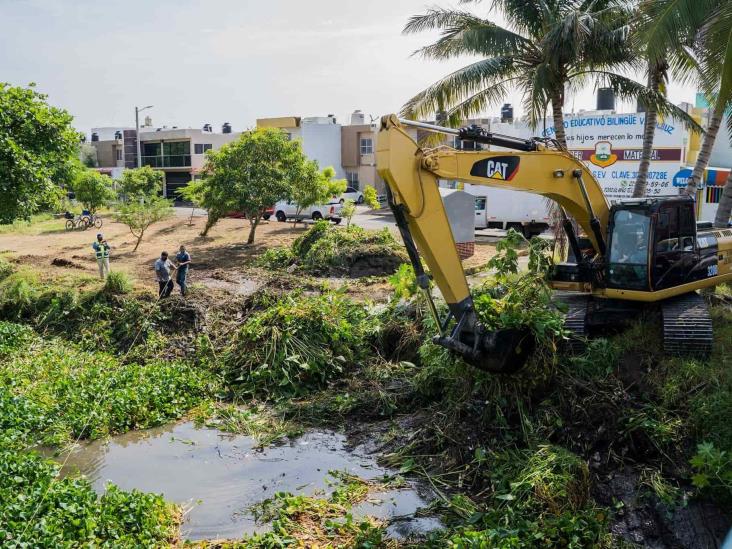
(611, 146)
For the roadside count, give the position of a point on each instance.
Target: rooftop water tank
(95, 136)
(226, 128)
(507, 113)
(357, 118)
(118, 134)
(207, 128)
(605, 99)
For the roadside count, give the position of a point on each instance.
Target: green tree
(93, 189)
(193, 192)
(348, 210)
(141, 182)
(315, 187)
(546, 49)
(141, 213)
(38, 148)
(250, 175)
(88, 155)
(370, 198)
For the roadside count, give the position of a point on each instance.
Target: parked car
(351, 194)
(287, 209)
(241, 215)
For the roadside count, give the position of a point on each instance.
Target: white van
(287, 209)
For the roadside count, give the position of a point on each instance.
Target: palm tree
(657, 80)
(547, 49)
(709, 23)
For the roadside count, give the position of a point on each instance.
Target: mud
(217, 477)
(643, 519)
(62, 262)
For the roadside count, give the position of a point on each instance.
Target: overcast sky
(223, 60)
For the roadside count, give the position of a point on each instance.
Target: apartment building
(116, 149)
(320, 137)
(180, 152)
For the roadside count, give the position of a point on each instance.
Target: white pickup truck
(287, 209)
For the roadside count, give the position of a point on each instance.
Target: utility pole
(137, 132)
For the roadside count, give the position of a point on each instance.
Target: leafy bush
(6, 269)
(74, 393)
(18, 293)
(68, 513)
(713, 470)
(276, 258)
(520, 300)
(14, 337)
(118, 283)
(295, 344)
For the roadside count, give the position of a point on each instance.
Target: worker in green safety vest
(101, 251)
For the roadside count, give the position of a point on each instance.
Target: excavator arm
(412, 174)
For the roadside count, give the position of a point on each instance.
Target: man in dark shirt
(184, 260)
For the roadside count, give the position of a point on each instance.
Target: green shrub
(713, 470)
(118, 283)
(276, 258)
(6, 269)
(18, 293)
(14, 337)
(68, 513)
(75, 393)
(296, 344)
(325, 248)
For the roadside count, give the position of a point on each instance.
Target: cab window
(628, 260)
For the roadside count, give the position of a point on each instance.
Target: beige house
(358, 154)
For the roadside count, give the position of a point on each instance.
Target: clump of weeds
(296, 344)
(328, 250)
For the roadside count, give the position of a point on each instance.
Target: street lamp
(137, 132)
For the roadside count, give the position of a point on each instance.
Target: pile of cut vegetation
(328, 250)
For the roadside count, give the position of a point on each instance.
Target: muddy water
(217, 477)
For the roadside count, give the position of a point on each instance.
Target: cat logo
(498, 167)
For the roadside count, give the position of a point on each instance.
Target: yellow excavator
(633, 253)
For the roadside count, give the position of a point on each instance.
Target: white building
(320, 137)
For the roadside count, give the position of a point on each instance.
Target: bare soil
(220, 260)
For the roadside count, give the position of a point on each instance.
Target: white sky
(224, 60)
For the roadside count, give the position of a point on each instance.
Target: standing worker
(163, 266)
(184, 260)
(101, 251)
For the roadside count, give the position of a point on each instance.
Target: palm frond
(456, 87)
(478, 103)
(475, 38)
(665, 23)
(437, 18)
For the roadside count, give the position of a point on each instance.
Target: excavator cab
(653, 244)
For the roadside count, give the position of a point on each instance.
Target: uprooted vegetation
(617, 444)
(328, 250)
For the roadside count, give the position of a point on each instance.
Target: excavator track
(575, 320)
(687, 325)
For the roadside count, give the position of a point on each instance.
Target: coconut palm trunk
(558, 118)
(706, 149)
(655, 77)
(725, 205)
